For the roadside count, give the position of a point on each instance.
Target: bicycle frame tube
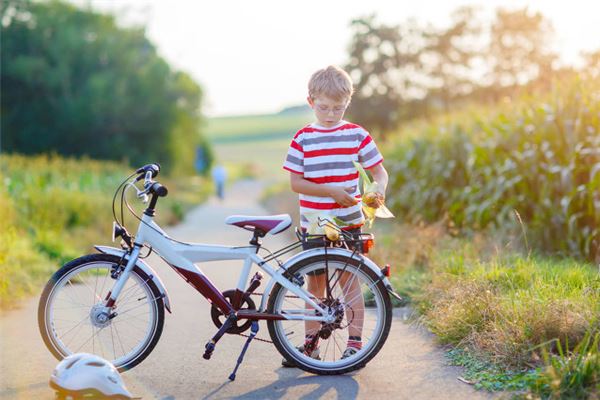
(183, 256)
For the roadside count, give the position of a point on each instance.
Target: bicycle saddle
(272, 224)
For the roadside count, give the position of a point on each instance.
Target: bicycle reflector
(368, 244)
(387, 270)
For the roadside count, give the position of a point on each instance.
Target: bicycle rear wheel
(358, 299)
(72, 317)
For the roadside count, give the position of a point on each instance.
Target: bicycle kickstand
(254, 331)
(210, 346)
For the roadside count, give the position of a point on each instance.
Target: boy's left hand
(380, 193)
(374, 199)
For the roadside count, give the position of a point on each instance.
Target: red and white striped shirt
(324, 156)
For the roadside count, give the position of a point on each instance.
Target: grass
(54, 209)
(269, 126)
(499, 309)
(571, 374)
(255, 145)
(483, 374)
(253, 159)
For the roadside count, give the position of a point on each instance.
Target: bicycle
(118, 298)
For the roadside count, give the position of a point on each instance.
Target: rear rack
(363, 242)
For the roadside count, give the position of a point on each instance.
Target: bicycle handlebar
(153, 168)
(158, 189)
(147, 172)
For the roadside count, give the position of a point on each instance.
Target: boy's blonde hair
(332, 82)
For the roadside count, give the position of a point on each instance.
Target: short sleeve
(368, 154)
(294, 161)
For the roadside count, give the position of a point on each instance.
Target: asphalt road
(410, 366)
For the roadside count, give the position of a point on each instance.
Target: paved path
(410, 366)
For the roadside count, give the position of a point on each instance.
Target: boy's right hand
(341, 196)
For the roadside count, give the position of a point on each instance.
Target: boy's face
(328, 111)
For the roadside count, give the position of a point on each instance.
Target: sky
(254, 57)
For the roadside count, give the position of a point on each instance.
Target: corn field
(537, 159)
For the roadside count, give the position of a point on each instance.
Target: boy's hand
(373, 199)
(341, 196)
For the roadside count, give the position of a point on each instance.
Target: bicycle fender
(144, 267)
(330, 251)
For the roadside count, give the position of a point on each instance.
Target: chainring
(218, 317)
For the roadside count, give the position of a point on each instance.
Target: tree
(448, 57)
(384, 66)
(519, 52)
(75, 83)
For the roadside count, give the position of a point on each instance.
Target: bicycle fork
(112, 296)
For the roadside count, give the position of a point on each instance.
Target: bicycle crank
(236, 327)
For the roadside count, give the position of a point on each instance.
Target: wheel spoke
(349, 282)
(68, 306)
(79, 323)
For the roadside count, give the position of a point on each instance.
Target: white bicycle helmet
(83, 375)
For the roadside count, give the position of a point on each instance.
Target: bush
(53, 209)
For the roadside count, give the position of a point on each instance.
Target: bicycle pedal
(209, 348)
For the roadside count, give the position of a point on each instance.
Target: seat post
(255, 241)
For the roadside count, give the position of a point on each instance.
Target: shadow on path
(343, 386)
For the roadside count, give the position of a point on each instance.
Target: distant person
(219, 175)
(319, 160)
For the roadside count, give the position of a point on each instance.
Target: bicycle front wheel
(72, 317)
(353, 294)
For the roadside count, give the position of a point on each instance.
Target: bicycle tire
(70, 270)
(279, 336)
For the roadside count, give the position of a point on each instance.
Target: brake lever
(143, 196)
(140, 194)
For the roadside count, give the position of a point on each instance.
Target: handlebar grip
(154, 168)
(158, 189)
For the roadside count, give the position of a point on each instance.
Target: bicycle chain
(255, 338)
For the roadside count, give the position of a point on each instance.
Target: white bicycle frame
(183, 256)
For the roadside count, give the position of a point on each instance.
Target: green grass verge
(54, 209)
(252, 159)
(255, 145)
(505, 314)
(239, 128)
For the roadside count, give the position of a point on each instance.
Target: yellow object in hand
(373, 201)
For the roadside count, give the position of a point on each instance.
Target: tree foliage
(411, 70)
(448, 56)
(381, 60)
(76, 83)
(519, 48)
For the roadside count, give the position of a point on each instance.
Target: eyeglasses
(336, 109)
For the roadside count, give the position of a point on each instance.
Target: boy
(319, 160)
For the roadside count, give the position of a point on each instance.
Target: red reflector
(387, 270)
(368, 245)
